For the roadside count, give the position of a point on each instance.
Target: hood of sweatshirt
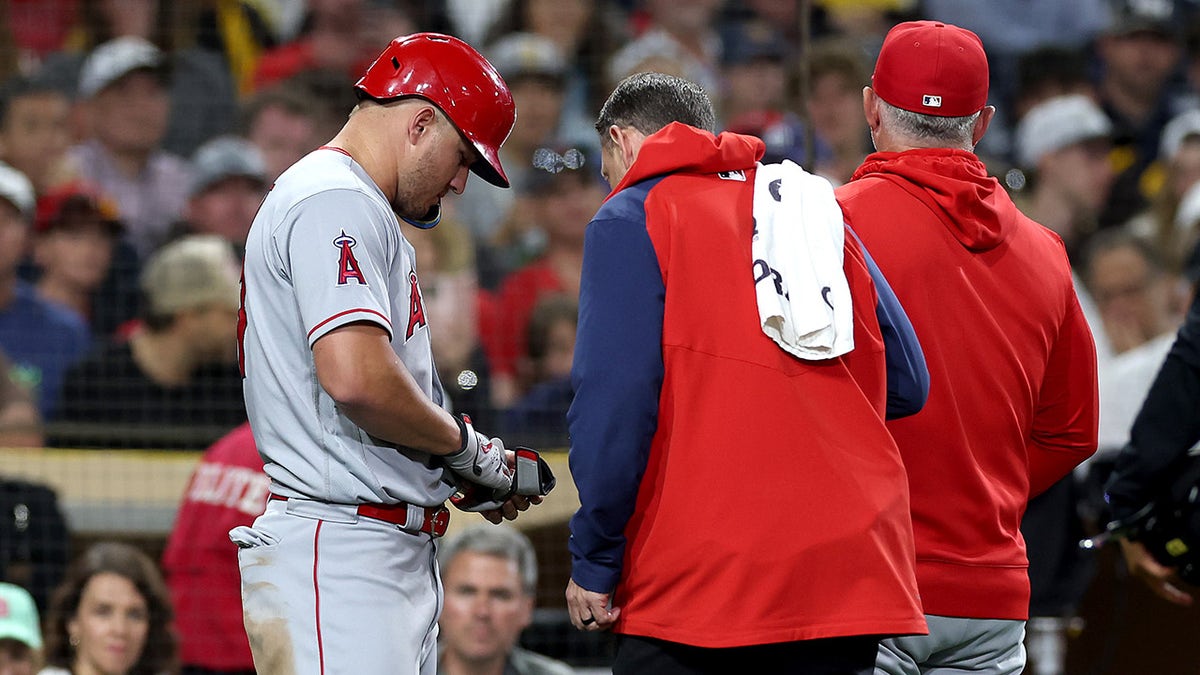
(955, 186)
(679, 148)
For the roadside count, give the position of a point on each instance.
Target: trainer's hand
(588, 609)
(1160, 579)
(509, 509)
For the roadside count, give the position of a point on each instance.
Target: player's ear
(421, 123)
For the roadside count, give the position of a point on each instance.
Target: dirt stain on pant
(271, 646)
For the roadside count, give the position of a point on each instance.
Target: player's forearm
(422, 427)
(358, 369)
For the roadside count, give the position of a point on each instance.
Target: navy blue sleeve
(1166, 427)
(617, 376)
(907, 374)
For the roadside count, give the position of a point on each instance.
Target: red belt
(434, 521)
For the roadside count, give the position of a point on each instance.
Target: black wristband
(462, 431)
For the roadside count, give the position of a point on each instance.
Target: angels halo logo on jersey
(416, 306)
(348, 264)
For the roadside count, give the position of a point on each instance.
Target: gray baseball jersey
(326, 250)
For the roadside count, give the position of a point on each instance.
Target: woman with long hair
(111, 616)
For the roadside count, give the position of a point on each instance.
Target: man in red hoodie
(741, 508)
(1012, 404)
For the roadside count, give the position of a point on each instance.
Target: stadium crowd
(137, 138)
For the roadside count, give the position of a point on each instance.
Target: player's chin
(428, 215)
(413, 211)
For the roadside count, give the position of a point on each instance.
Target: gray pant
(327, 592)
(956, 645)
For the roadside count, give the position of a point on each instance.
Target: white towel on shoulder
(803, 298)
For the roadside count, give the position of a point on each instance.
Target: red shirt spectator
(228, 489)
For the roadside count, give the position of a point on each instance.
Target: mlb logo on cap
(931, 101)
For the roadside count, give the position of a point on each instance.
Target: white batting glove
(479, 459)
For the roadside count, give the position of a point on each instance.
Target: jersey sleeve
(336, 251)
(617, 377)
(1167, 426)
(1066, 417)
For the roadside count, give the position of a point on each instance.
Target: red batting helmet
(451, 74)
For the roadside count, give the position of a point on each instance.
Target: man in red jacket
(1012, 404)
(741, 508)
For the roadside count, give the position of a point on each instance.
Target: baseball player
(339, 574)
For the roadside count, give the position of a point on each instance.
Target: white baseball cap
(17, 189)
(1057, 123)
(1177, 131)
(115, 59)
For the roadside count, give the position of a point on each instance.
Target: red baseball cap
(932, 68)
(74, 197)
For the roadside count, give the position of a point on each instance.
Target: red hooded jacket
(731, 494)
(1012, 399)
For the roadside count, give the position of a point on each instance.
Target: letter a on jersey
(416, 308)
(348, 264)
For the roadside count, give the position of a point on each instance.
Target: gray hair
(495, 540)
(952, 132)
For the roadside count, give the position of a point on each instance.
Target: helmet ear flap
(459, 81)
